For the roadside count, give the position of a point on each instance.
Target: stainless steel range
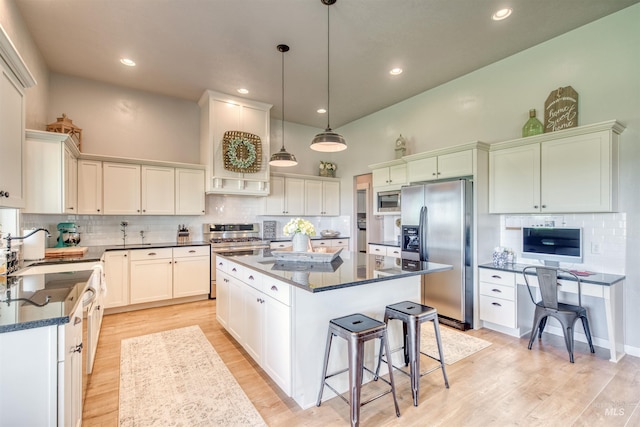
(231, 239)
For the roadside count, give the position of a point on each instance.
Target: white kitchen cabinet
(157, 190)
(259, 318)
(451, 165)
(42, 366)
(191, 271)
(189, 191)
(286, 196)
(150, 275)
(390, 251)
(121, 188)
(574, 170)
(321, 198)
(70, 355)
(89, 187)
(12, 110)
(389, 177)
(222, 297)
(116, 271)
(70, 192)
(51, 173)
(219, 113)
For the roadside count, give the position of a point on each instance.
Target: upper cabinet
(429, 166)
(220, 113)
(51, 165)
(189, 191)
(286, 197)
(299, 195)
(321, 198)
(574, 170)
(158, 190)
(89, 187)
(121, 188)
(14, 79)
(389, 175)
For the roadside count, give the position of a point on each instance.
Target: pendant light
(282, 157)
(328, 141)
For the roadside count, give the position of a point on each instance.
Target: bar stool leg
(413, 339)
(324, 367)
(436, 326)
(356, 351)
(390, 367)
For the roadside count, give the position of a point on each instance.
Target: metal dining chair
(548, 305)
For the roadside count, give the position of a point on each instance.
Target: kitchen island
(279, 311)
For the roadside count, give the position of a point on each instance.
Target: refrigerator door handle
(422, 233)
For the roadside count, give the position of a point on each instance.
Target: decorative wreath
(242, 152)
(233, 153)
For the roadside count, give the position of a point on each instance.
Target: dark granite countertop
(595, 278)
(288, 238)
(348, 269)
(64, 289)
(393, 243)
(94, 253)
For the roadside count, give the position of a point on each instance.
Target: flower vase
(300, 242)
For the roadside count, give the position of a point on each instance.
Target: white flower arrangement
(299, 225)
(328, 166)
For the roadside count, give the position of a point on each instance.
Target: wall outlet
(596, 248)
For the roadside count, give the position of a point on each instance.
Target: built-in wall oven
(232, 239)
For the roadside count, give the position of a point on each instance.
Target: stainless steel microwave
(389, 201)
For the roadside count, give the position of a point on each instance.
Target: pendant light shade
(283, 158)
(328, 141)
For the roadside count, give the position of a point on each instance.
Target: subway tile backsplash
(106, 230)
(604, 231)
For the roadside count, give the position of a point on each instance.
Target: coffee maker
(68, 235)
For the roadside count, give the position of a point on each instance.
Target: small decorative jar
(500, 257)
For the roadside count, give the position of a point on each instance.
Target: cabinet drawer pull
(251, 277)
(192, 251)
(496, 290)
(496, 304)
(274, 288)
(152, 254)
(234, 269)
(221, 263)
(77, 349)
(495, 276)
(77, 320)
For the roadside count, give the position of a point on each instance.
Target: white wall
(117, 121)
(37, 96)
(601, 61)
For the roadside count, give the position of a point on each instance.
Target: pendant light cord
(328, 71)
(283, 100)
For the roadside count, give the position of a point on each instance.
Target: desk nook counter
(279, 312)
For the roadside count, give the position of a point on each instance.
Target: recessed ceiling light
(395, 71)
(243, 91)
(321, 111)
(128, 62)
(502, 14)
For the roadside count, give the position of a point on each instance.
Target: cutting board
(62, 252)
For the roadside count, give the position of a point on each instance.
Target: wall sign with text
(561, 109)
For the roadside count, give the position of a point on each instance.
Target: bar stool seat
(356, 329)
(412, 315)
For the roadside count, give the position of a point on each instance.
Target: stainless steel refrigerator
(437, 221)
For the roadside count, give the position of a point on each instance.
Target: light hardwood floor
(504, 384)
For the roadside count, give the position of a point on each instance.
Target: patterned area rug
(456, 345)
(176, 378)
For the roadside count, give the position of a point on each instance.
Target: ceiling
(183, 47)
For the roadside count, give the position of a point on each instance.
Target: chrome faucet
(9, 238)
(12, 258)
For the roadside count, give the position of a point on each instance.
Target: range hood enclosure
(220, 113)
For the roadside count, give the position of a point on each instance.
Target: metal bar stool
(357, 329)
(412, 316)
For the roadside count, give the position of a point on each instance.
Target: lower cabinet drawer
(276, 289)
(498, 291)
(498, 311)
